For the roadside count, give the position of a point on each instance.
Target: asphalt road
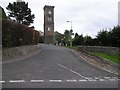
(55, 67)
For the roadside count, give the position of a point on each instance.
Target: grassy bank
(113, 58)
(73, 47)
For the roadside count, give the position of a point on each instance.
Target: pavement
(55, 67)
(18, 53)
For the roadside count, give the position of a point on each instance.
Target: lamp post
(70, 33)
(71, 24)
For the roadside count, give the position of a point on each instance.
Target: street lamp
(71, 24)
(70, 33)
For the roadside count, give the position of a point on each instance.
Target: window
(48, 28)
(49, 19)
(49, 12)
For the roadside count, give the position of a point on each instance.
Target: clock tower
(48, 24)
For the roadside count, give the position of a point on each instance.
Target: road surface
(55, 67)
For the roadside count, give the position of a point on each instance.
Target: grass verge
(73, 47)
(111, 57)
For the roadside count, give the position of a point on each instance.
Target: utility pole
(70, 33)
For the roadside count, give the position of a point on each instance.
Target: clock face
(49, 12)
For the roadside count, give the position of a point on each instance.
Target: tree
(109, 38)
(78, 40)
(88, 41)
(115, 36)
(58, 37)
(20, 12)
(2, 13)
(102, 37)
(76, 35)
(67, 36)
(95, 42)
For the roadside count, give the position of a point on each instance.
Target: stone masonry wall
(108, 50)
(15, 52)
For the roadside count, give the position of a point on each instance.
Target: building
(49, 24)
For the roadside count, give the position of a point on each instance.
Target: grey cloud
(88, 16)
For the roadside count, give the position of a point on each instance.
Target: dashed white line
(92, 80)
(102, 80)
(97, 77)
(62, 66)
(83, 80)
(71, 80)
(55, 81)
(2, 81)
(115, 77)
(73, 71)
(60, 81)
(112, 79)
(33, 81)
(107, 77)
(16, 81)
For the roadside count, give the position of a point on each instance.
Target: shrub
(15, 34)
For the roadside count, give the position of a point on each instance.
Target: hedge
(15, 34)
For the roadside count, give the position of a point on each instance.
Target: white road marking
(2, 81)
(80, 80)
(62, 66)
(55, 81)
(97, 77)
(16, 81)
(83, 80)
(112, 79)
(71, 80)
(92, 80)
(37, 81)
(115, 78)
(102, 80)
(73, 71)
(107, 77)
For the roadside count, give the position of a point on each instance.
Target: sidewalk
(18, 53)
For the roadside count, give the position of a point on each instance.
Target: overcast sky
(88, 16)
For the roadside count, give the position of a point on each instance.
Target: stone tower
(48, 24)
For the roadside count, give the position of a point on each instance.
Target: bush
(15, 34)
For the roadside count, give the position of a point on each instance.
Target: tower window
(49, 12)
(49, 19)
(48, 28)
